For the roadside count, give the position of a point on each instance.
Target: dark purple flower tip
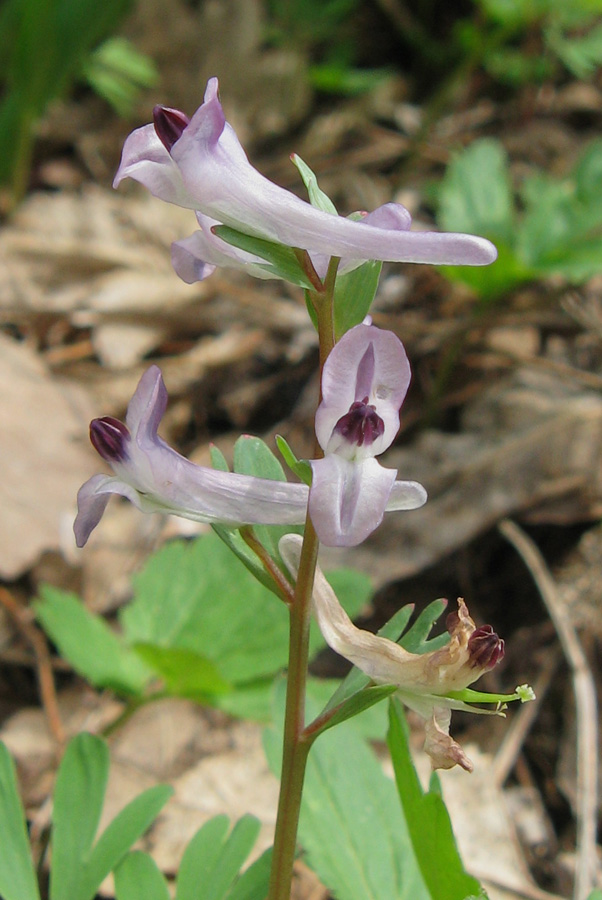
(361, 425)
(169, 125)
(486, 649)
(110, 438)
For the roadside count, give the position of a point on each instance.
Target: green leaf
(353, 295)
(234, 540)
(118, 72)
(254, 882)
(78, 868)
(416, 639)
(17, 874)
(300, 467)
(475, 195)
(428, 822)
(137, 877)
(317, 197)
(120, 834)
(185, 673)
(281, 261)
(351, 827)
(252, 456)
(213, 860)
(195, 596)
(92, 648)
(77, 805)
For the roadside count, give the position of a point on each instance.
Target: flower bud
(110, 438)
(169, 125)
(485, 648)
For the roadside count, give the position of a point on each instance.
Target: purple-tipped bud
(110, 438)
(361, 425)
(486, 649)
(169, 125)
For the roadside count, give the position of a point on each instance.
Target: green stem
(296, 744)
(295, 748)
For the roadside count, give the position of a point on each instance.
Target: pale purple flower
(364, 382)
(200, 164)
(424, 681)
(155, 478)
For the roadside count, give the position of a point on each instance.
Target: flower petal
(215, 177)
(347, 377)
(145, 159)
(196, 257)
(347, 500)
(406, 495)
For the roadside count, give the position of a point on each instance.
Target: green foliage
(17, 875)
(356, 833)
(93, 649)
(78, 865)
(198, 621)
(210, 867)
(118, 72)
(503, 38)
(553, 229)
(280, 261)
(45, 45)
(428, 821)
(137, 877)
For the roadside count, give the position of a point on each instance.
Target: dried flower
(424, 681)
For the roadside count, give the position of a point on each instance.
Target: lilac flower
(364, 381)
(156, 478)
(200, 164)
(426, 682)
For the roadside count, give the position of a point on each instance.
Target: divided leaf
(78, 866)
(17, 875)
(428, 821)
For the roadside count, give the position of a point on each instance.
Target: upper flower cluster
(199, 163)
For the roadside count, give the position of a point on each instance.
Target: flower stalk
(295, 746)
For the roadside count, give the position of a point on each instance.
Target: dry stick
(45, 676)
(585, 707)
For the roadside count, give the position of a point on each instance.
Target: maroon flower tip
(361, 425)
(169, 125)
(110, 438)
(486, 649)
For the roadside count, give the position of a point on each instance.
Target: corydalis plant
(200, 164)
(350, 490)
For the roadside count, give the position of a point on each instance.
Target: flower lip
(110, 438)
(169, 125)
(485, 648)
(361, 425)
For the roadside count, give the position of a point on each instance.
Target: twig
(287, 591)
(44, 663)
(585, 707)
